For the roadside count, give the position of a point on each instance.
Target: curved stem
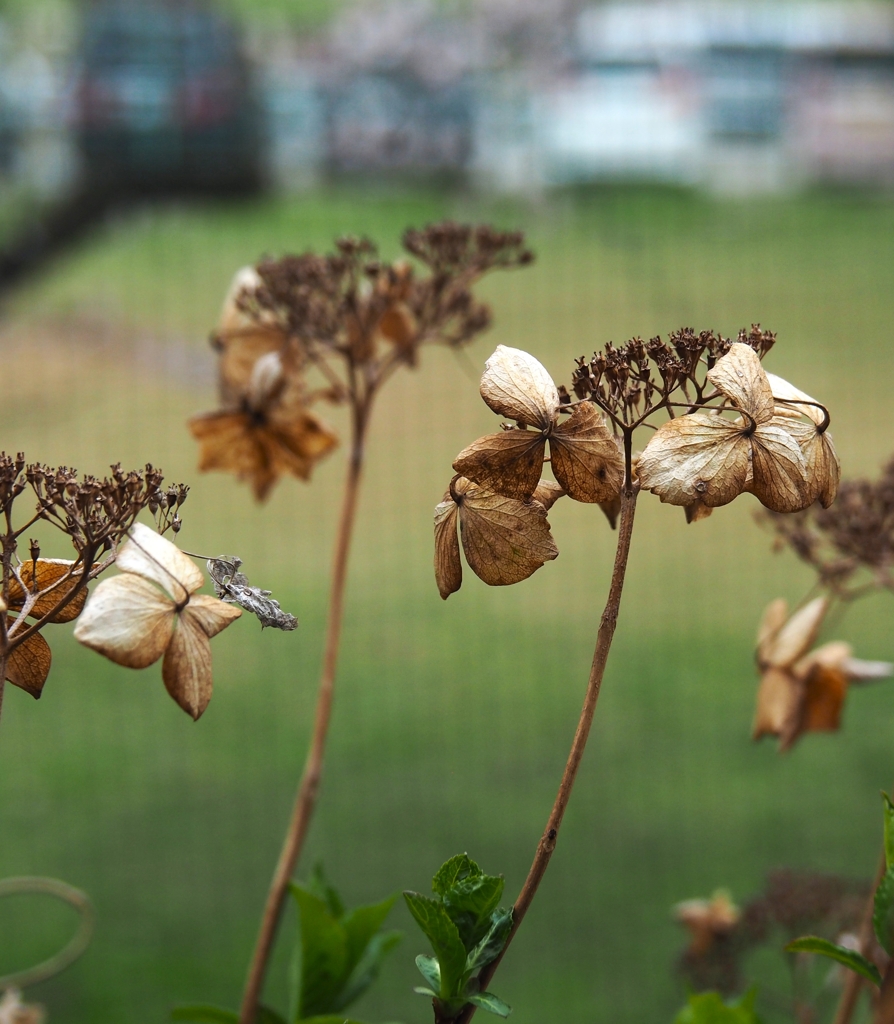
(853, 983)
(548, 840)
(306, 798)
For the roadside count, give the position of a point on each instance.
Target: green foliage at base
(467, 929)
(709, 1008)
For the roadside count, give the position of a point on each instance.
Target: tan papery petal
(212, 614)
(240, 353)
(232, 318)
(548, 493)
(772, 621)
(585, 457)
(792, 641)
(823, 470)
(831, 655)
(783, 391)
(127, 619)
(399, 325)
(297, 445)
(780, 700)
(149, 555)
(50, 571)
(697, 458)
(517, 386)
(611, 510)
(448, 567)
(229, 441)
(740, 376)
(859, 671)
(186, 670)
(509, 462)
(824, 699)
(697, 511)
(505, 540)
(28, 664)
(779, 470)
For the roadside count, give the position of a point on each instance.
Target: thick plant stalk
(550, 836)
(306, 798)
(853, 983)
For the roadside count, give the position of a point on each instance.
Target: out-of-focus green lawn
(452, 720)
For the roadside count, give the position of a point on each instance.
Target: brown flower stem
(550, 836)
(306, 799)
(853, 984)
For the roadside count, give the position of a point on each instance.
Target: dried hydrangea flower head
(804, 690)
(152, 609)
(14, 1011)
(707, 920)
(333, 328)
(739, 431)
(94, 514)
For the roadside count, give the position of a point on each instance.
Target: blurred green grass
(452, 720)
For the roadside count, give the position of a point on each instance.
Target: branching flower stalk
(730, 428)
(304, 330)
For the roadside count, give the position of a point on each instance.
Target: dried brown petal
(611, 509)
(29, 664)
(505, 540)
(212, 614)
(239, 353)
(509, 462)
(697, 458)
(791, 399)
(740, 376)
(796, 636)
(517, 386)
(822, 467)
(245, 281)
(779, 700)
(697, 511)
(824, 699)
(779, 472)
(50, 571)
(448, 567)
(772, 621)
(398, 325)
(585, 457)
(186, 669)
(156, 559)
(548, 493)
(127, 619)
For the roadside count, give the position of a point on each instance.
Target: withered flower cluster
(730, 428)
(792, 903)
(333, 328)
(851, 548)
(851, 545)
(95, 514)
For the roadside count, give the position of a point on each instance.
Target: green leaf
(420, 990)
(367, 970)
(709, 1008)
(470, 903)
(324, 953)
(361, 925)
(848, 957)
(429, 969)
(883, 911)
(443, 935)
(452, 871)
(328, 1018)
(320, 887)
(889, 831)
(204, 1015)
(488, 1001)
(492, 944)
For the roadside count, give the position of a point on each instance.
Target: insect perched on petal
(152, 610)
(803, 690)
(505, 539)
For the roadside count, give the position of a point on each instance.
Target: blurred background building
(730, 96)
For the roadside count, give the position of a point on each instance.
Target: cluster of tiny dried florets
(738, 429)
(95, 514)
(856, 534)
(309, 328)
